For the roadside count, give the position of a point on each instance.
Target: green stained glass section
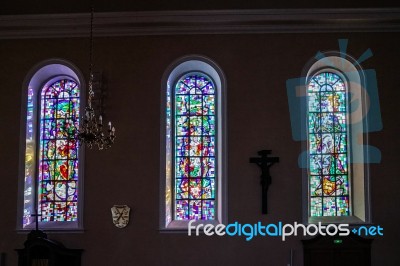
(342, 185)
(195, 167)
(195, 142)
(342, 206)
(182, 103)
(315, 185)
(58, 153)
(329, 206)
(316, 206)
(196, 127)
(329, 191)
(196, 104)
(314, 102)
(209, 105)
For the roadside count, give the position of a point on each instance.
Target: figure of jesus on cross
(265, 163)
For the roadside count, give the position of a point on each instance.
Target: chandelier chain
(90, 131)
(91, 92)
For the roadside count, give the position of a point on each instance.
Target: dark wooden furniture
(40, 251)
(349, 250)
(2, 259)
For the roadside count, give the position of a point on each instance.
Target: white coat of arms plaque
(120, 215)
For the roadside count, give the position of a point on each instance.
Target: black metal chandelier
(90, 131)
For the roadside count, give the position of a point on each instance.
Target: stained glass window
(329, 188)
(194, 148)
(57, 173)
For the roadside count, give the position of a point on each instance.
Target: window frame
(38, 77)
(178, 69)
(352, 75)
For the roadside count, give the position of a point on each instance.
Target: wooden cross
(36, 215)
(35, 234)
(264, 163)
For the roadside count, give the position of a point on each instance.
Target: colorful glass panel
(328, 153)
(195, 130)
(29, 161)
(58, 152)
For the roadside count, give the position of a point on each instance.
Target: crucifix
(36, 233)
(264, 163)
(36, 215)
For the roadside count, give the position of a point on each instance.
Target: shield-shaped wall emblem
(120, 215)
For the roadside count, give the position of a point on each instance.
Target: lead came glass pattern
(328, 147)
(195, 142)
(58, 153)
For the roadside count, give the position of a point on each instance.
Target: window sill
(53, 227)
(182, 226)
(336, 220)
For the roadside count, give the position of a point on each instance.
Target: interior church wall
(256, 67)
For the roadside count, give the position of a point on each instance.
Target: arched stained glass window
(328, 138)
(195, 142)
(193, 184)
(50, 169)
(58, 152)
